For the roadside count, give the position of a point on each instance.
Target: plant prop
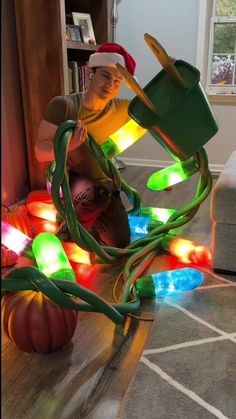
(138, 255)
(30, 278)
(182, 140)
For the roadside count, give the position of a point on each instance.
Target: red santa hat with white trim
(110, 54)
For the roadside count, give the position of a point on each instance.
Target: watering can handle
(164, 59)
(136, 88)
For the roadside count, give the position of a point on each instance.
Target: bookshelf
(44, 53)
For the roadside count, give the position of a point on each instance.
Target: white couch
(223, 216)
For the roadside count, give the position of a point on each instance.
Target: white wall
(175, 25)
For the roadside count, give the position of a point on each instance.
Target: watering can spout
(185, 120)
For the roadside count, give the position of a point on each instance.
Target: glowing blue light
(178, 280)
(171, 282)
(138, 226)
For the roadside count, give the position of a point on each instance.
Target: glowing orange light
(50, 227)
(75, 253)
(43, 210)
(88, 275)
(41, 225)
(189, 252)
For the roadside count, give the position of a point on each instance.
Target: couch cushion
(223, 197)
(223, 246)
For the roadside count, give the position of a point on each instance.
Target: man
(97, 111)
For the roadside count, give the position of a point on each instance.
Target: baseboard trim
(130, 161)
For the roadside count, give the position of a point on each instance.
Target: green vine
(138, 255)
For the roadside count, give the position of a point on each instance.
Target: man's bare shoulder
(56, 110)
(61, 108)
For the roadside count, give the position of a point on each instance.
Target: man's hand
(79, 136)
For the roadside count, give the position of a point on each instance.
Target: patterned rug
(188, 367)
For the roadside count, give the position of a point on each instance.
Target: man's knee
(123, 239)
(89, 200)
(86, 192)
(113, 231)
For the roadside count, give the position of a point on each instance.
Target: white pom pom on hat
(109, 54)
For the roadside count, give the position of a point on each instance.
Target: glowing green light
(123, 138)
(51, 257)
(157, 214)
(171, 175)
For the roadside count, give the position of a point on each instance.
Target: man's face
(106, 82)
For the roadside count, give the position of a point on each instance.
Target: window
(221, 77)
(216, 57)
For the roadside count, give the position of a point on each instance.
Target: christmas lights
(186, 250)
(157, 214)
(43, 210)
(140, 226)
(170, 282)
(172, 175)
(51, 257)
(14, 239)
(75, 253)
(123, 138)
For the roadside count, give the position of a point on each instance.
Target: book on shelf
(70, 85)
(78, 76)
(74, 82)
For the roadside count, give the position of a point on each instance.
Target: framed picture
(83, 20)
(73, 33)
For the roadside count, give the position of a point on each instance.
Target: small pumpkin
(8, 257)
(18, 218)
(34, 323)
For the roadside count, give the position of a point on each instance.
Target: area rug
(188, 367)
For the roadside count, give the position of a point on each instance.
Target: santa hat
(110, 54)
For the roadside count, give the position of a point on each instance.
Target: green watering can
(179, 116)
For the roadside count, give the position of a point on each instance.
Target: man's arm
(81, 160)
(44, 144)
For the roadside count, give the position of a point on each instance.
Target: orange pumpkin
(34, 323)
(8, 257)
(18, 218)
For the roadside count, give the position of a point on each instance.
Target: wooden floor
(89, 377)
